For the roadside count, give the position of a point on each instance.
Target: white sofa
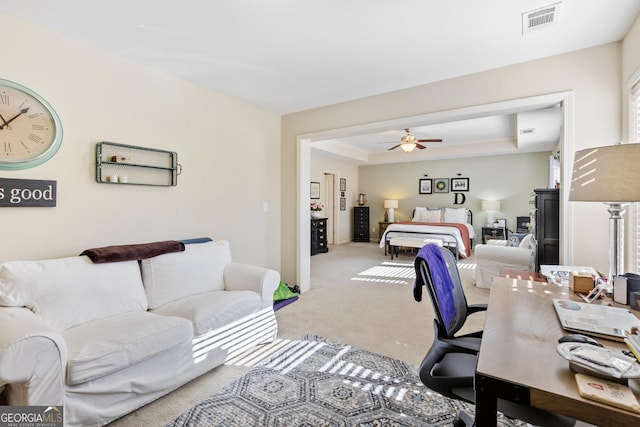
(498, 255)
(102, 339)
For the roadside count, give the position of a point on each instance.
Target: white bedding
(451, 234)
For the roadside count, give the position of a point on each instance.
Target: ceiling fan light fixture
(409, 142)
(408, 146)
(409, 139)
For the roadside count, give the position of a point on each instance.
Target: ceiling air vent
(542, 17)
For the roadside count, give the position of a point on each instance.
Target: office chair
(449, 366)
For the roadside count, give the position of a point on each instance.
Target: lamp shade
(606, 174)
(490, 205)
(391, 204)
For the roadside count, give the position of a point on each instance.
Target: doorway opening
(565, 99)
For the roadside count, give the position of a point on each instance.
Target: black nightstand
(489, 233)
(319, 236)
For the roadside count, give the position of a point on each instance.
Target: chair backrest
(437, 270)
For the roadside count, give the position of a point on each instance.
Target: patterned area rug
(317, 382)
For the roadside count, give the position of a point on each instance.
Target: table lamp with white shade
(491, 206)
(390, 205)
(610, 175)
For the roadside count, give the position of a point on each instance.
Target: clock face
(30, 130)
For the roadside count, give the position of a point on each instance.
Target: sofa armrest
(264, 281)
(504, 254)
(32, 359)
(497, 242)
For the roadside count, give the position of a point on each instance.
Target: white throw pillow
(458, 216)
(417, 214)
(66, 292)
(432, 215)
(173, 276)
(527, 242)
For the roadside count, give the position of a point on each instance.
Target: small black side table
(489, 233)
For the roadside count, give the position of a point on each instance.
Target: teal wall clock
(30, 129)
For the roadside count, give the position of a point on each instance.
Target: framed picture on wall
(441, 185)
(343, 204)
(315, 190)
(459, 184)
(522, 224)
(343, 184)
(425, 186)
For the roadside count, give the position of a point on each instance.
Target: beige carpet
(358, 297)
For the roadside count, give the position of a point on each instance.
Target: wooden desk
(518, 360)
(522, 275)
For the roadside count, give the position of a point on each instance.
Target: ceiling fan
(409, 142)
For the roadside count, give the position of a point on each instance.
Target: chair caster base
(463, 420)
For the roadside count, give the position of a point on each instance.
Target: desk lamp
(391, 205)
(611, 175)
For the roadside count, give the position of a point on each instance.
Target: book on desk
(604, 391)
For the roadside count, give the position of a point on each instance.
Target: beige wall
(593, 75)
(229, 152)
(400, 181)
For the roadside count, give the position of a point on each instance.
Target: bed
(452, 226)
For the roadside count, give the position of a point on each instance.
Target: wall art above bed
(441, 185)
(459, 184)
(425, 186)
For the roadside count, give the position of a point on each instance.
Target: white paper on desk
(560, 273)
(595, 319)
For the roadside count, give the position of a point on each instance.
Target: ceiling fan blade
(420, 146)
(428, 140)
(394, 147)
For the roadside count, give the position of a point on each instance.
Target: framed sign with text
(18, 193)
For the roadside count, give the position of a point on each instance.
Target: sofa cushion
(198, 269)
(212, 310)
(104, 346)
(66, 292)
